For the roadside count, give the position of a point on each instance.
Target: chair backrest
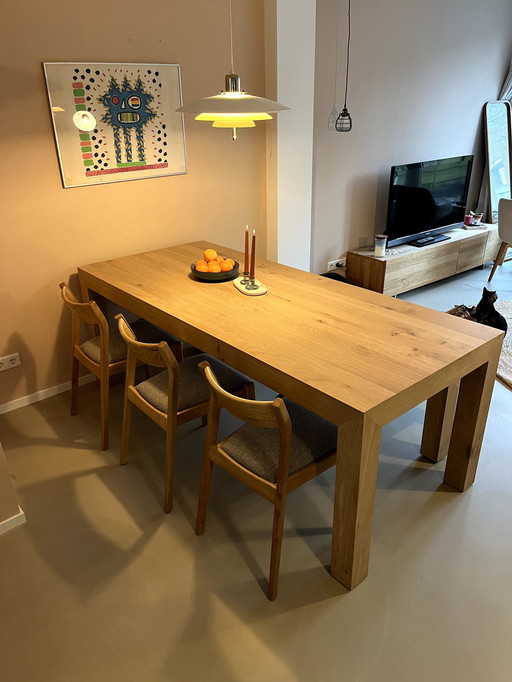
(83, 313)
(505, 220)
(152, 354)
(270, 414)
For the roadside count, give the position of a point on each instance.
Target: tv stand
(433, 239)
(405, 267)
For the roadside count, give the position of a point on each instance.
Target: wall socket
(338, 263)
(10, 361)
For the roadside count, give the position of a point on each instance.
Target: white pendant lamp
(233, 107)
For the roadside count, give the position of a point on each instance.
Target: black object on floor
(336, 276)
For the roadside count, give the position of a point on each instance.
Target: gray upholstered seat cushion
(143, 330)
(193, 388)
(257, 449)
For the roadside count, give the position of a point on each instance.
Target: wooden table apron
(355, 357)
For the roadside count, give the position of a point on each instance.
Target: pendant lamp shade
(233, 108)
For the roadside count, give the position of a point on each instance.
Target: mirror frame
(492, 209)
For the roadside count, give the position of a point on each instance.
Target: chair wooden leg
(204, 494)
(499, 259)
(249, 391)
(104, 389)
(75, 371)
(277, 541)
(177, 351)
(125, 432)
(170, 442)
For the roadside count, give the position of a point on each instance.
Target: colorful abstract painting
(116, 122)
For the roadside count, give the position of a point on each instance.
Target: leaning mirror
(497, 117)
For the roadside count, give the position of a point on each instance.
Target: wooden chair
(504, 232)
(173, 396)
(103, 355)
(280, 447)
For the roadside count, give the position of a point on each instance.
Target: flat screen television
(427, 199)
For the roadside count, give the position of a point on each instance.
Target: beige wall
(44, 236)
(8, 504)
(420, 73)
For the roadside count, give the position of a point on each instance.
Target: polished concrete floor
(100, 585)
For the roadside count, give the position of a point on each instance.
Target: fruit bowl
(215, 276)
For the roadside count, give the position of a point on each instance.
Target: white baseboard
(14, 521)
(41, 395)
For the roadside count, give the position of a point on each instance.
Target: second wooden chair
(173, 396)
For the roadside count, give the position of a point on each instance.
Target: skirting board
(41, 395)
(14, 521)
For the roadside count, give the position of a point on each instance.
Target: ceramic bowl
(216, 276)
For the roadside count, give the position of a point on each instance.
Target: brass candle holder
(250, 286)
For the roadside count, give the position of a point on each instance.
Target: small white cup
(380, 245)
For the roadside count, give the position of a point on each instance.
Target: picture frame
(116, 122)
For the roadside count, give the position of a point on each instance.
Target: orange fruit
(213, 266)
(201, 266)
(231, 261)
(226, 266)
(209, 254)
(220, 259)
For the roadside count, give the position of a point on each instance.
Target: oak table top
(353, 356)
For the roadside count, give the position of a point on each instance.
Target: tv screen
(427, 198)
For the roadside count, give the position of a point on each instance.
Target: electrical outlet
(10, 361)
(338, 263)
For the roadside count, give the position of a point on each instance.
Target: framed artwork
(116, 122)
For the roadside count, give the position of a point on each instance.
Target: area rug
(505, 364)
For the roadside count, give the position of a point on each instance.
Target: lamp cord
(348, 52)
(231, 35)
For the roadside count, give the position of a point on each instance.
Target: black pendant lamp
(344, 120)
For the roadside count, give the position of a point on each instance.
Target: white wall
(420, 73)
(295, 73)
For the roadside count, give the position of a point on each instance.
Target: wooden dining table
(355, 357)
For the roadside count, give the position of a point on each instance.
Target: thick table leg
(354, 496)
(437, 427)
(469, 425)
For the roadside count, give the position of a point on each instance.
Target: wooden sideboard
(407, 267)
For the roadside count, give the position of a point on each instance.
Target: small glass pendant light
(333, 116)
(344, 120)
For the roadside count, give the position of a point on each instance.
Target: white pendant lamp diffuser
(233, 107)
